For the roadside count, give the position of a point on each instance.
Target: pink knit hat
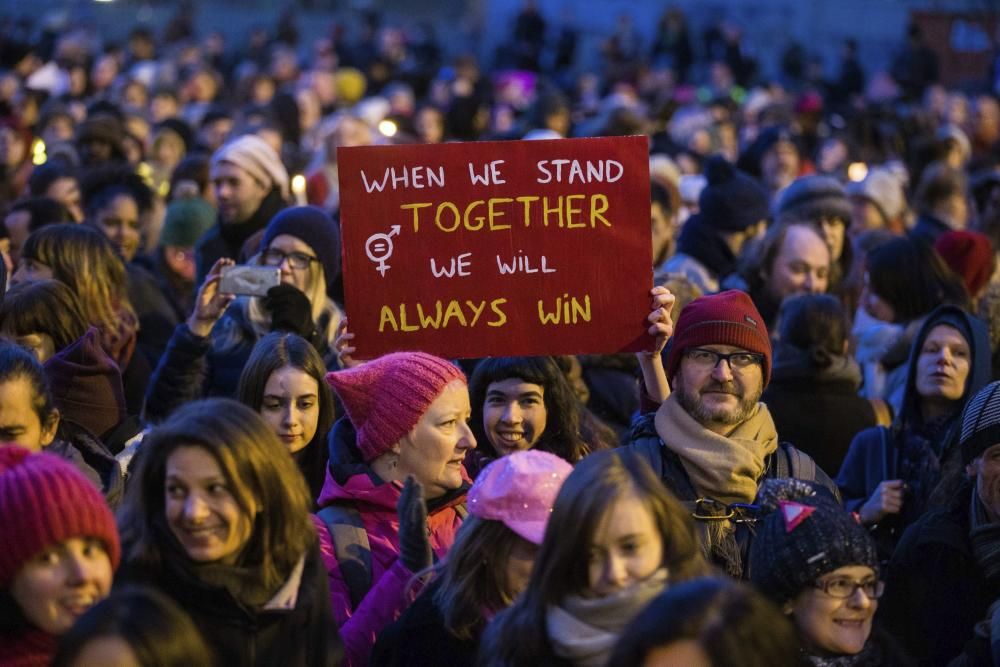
(44, 500)
(519, 491)
(386, 397)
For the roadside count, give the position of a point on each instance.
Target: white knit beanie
(252, 154)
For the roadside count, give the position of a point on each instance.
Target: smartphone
(249, 280)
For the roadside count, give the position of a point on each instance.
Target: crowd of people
(803, 468)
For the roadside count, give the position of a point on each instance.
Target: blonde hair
(324, 310)
(85, 261)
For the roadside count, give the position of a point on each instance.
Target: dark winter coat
(157, 318)
(194, 367)
(240, 635)
(928, 228)
(817, 408)
(935, 592)
(419, 639)
(226, 240)
(911, 449)
(91, 457)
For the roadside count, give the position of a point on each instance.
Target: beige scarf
(726, 468)
(585, 630)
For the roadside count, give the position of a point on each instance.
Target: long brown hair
(474, 576)
(257, 467)
(517, 636)
(86, 262)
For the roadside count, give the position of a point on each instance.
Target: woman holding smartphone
(207, 353)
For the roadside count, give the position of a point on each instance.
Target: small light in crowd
(856, 171)
(299, 189)
(387, 128)
(103, 0)
(38, 155)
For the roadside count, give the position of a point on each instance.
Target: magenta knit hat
(726, 318)
(519, 491)
(386, 397)
(44, 500)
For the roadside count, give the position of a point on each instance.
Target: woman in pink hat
(60, 550)
(487, 568)
(407, 434)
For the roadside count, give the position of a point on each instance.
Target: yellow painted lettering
(386, 317)
(456, 216)
(526, 200)
(570, 211)
(480, 220)
(477, 310)
(454, 311)
(501, 316)
(416, 217)
(595, 211)
(494, 214)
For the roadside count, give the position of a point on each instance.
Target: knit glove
(414, 547)
(290, 310)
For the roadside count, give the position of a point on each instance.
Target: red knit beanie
(44, 500)
(726, 318)
(970, 255)
(386, 397)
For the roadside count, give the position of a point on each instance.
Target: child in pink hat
(487, 567)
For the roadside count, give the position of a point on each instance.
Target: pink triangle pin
(794, 513)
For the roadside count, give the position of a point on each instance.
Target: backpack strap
(883, 413)
(795, 463)
(351, 547)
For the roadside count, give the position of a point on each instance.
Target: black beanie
(314, 227)
(731, 201)
(980, 423)
(806, 535)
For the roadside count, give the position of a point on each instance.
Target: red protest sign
(497, 248)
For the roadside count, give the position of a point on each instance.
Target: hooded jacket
(813, 398)
(911, 449)
(351, 482)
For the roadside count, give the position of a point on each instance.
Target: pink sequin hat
(519, 491)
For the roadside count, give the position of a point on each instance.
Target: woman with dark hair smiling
(283, 382)
(523, 403)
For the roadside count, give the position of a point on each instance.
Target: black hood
(975, 333)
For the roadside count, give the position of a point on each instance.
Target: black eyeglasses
(845, 587)
(296, 260)
(708, 359)
(710, 509)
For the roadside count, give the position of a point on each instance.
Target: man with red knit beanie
(712, 441)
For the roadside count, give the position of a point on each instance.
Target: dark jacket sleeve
(862, 470)
(180, 375)
(933, 593)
